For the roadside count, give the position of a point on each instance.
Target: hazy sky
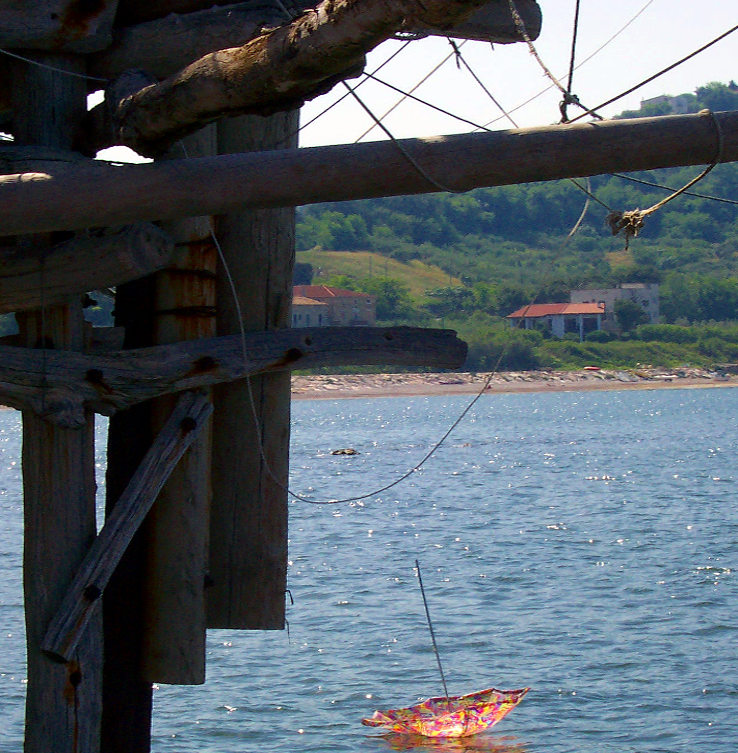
(665, 31)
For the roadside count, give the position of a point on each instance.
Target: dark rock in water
(345, 451)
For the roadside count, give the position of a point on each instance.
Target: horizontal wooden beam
(58, 385)
(56, 25)
(31, 277)
(67, 198)
(171, 41)
(183, 426)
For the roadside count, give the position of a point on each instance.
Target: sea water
(583, 544)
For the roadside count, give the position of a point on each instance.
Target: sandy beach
(393, 385)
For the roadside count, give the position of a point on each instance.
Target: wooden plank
(57, 25)
(68, 626)
(276, 71)
(62, 702)
(37, 275)
(77, 197)
(177, 527)
(251, 422)
(60, 384)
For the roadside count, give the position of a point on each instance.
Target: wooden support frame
(40, 276)
(60, 385)
(181, 429)
(77, 197)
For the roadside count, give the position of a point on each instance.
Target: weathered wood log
(59, 385)
(34, 276)
(62, 703)
(251, 421)
(56, 25)
(275, 72)
(66, 629)
(164, 45)
(74, 197)
(173, 648)
(169, 42)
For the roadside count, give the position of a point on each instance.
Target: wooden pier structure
(198, 246)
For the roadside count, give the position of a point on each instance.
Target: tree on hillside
(629, 314)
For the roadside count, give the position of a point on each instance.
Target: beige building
(308, 313)
(341, 308)
(644, 294)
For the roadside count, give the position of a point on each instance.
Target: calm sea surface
(585, 544)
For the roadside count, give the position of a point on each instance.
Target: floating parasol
(448, 716)
(452, 716)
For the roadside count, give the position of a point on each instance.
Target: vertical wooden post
(62, 701)
(177, 526)
(127, 696)
(248, 559)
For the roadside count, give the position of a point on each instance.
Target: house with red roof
(324, 306)
(560, 318)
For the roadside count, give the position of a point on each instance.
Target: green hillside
(470, 259)
(415, 275)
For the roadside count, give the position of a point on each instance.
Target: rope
(520, 26)
(346, 95)
(51, 67)
(577, 67)
(569, 97)
(401, 148)
(460, 57)
(669, 188)
(656, 75)
(406, 95)
(631, 222)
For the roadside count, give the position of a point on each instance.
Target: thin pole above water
(430, 628)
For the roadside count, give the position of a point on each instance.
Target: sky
(657, 33)
(664, 32)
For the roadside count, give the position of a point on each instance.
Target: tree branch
(276, 71)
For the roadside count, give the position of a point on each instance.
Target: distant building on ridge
(588, 310)
(324, 306)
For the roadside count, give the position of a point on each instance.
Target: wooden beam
(275, 72)
(56, 25)
(59, 385)
(176, 530)
(36, 276)
(248, 521)
(62, 702)
(77, 197)
(171, 41)
(127, 697)
(66, 629)
(166, 44)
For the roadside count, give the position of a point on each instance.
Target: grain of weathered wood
(34, 275)
(56, 25)
(274, 72)
(62, 703)
(251, 421)
(76, 197)
(81, 601)
(59, 384)
(177, 527)
(171, 41)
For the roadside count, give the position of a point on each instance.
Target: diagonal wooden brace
(68, 626)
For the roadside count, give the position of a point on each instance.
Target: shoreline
(341, 386)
